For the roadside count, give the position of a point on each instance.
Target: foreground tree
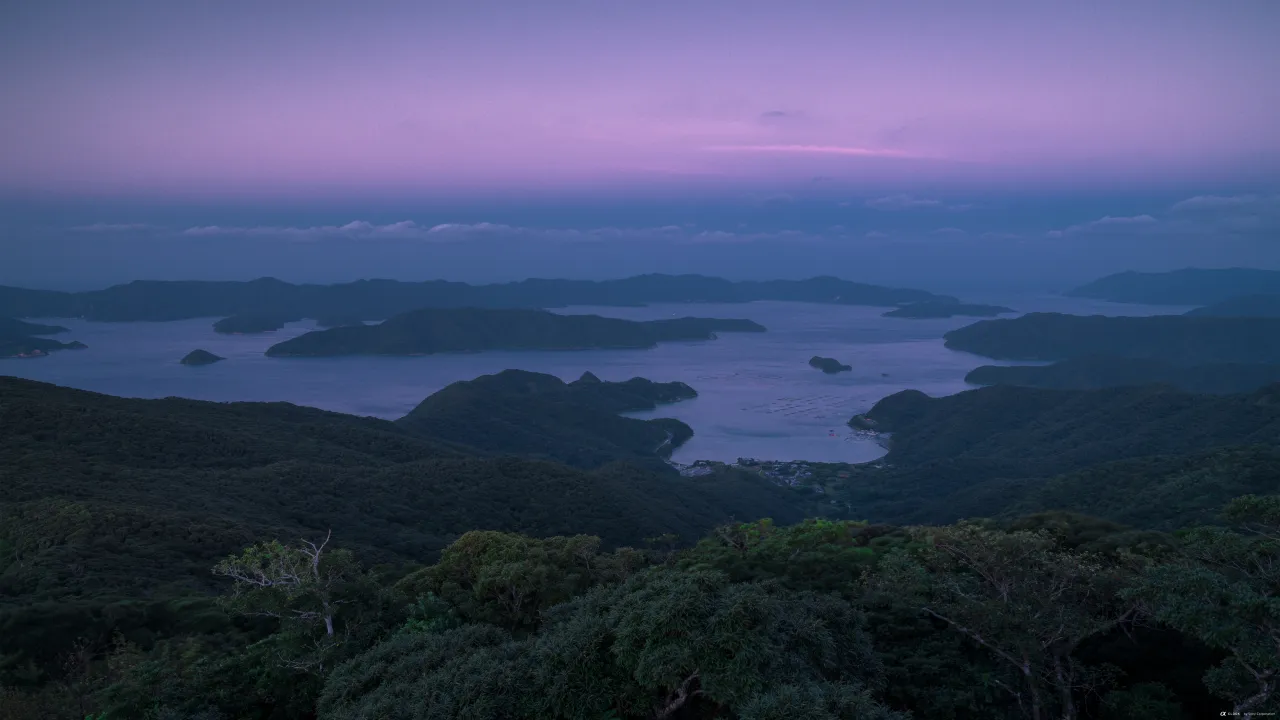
(1027, 602)
(315, 593)
(1225, 590)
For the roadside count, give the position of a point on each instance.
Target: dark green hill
(1097, 372)
(1151, 457)
(930, 310)
(1242, 306)
(437, 330)
(538, 415)
(379, 299)
(1042, 432)
(113, 508)
(1191, 286)
(1176, 339)
(200, 357)
(259, 322)
(278, 468)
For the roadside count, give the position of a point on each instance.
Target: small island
(198, 357)
(935, 310)
(451, 330)
(830, 366)
(253, 323)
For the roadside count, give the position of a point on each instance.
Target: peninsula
(1177, 339)
(541, 416)
(444, 330)
(1101, 371)
(1260, 305)
(20, 339)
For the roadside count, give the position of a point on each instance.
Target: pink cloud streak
(816, 150)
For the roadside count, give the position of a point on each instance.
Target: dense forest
(184, 559)
(1192, 286)
(1100, 371)
(155, 300)
(436, 330)
(998, 451)
(1177, 339)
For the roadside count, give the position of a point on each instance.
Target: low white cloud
(1216, 202)
(113, 227)
(902, 202)
(950, 232)
(812, 150)
(409, 230)
(1108, 223)
(354, 229)
(910, 202)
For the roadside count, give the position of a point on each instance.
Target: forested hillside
(183, 559)
(1178, 339)
(1100, 371)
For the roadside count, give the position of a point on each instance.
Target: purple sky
(919, 142)
(262, 97)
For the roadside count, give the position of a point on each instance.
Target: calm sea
(757, 395)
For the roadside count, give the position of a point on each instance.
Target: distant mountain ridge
(154, 300)
(1190, 286)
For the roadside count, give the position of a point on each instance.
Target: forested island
(1101, 371)
(441, 330)
(1191, 286)
(1177, 339)
(200, 357)
(21, 339)
(1242, 306)
(154, 300)
(414, 575)
(935, 310)
(830, 366)
(258, 322)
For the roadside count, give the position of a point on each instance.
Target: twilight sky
(315, 138)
